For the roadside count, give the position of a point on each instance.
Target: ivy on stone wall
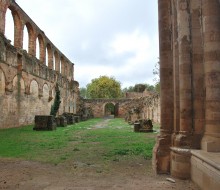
(55, 107)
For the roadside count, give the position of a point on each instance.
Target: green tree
(139, 87)
(104, 87)
(156, 72)
(83, 92)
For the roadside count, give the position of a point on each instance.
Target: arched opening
(49, 57)
(37, 49)
(57, 62)
(54, 62)
(46, 92)
(25, 39)
(62, 65)
(31, 39)
(9, 26)
(46, 61)
(40, 52)
(109, 109)
(34, 88)
(2, 82)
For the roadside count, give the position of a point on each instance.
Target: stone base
(161, 154)
(44, 123)
(77, 119)
(180, 163)
(146, 130)
(61, 121)
(205, 169)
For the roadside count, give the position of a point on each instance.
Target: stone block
(63, 121)
(205, 169)
(77, 119)
(44, 123)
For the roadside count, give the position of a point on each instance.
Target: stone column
(3, 9)
(198, 73)
(175, 69)
(211, 27)
(180, 155)
(161, 152)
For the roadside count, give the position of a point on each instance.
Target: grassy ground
(96, 139)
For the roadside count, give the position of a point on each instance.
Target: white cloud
(102, 37)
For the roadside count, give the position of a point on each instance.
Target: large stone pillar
(3, 9)
(175, 69)
(198, 73)
(211, 27)
(180, 155)
(161, 154)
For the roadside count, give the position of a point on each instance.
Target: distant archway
(109, 109)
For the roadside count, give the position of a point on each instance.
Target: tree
(156, 72)
(104, 87)
(139, 87)
(83, 92)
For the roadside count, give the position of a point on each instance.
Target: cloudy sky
(116, 38)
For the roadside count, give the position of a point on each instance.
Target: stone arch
(49, 56)
(31, 41)
(62, 65)
(34, 88)
(109, 109)
(57, 61)
(41, 54)
(9, 26)
(25, 38)
(2, 82)
(18, 32)
(46, 92)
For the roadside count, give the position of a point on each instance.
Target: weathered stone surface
(70, 118)
(61, 121)
(189, 73)
(26, 83)
(132, 109)
(44, 123)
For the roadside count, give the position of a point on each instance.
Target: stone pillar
(180, 155)
(161, 152)
(198, 73)
(175, 68)
(211, 27)
(3, 9)
(185, 72)
(18, 33)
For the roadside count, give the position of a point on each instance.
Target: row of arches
(32, 88)
(24, 34)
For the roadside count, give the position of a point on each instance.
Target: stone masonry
(149, 106)
(27, 85)
(190, 88)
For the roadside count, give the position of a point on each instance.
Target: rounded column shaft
(211, 28)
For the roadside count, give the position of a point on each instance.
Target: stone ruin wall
(27, 85)
(190, 81)
(149, 107)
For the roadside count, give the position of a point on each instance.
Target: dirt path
(18, 174)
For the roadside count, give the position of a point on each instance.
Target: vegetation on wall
(55, 107)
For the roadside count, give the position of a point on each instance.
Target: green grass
(82, 141)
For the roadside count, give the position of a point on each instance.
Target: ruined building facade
(27, 84)
(189, 140)
(147, 106)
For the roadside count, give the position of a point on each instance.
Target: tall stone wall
(27, 84)
(190, 77)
